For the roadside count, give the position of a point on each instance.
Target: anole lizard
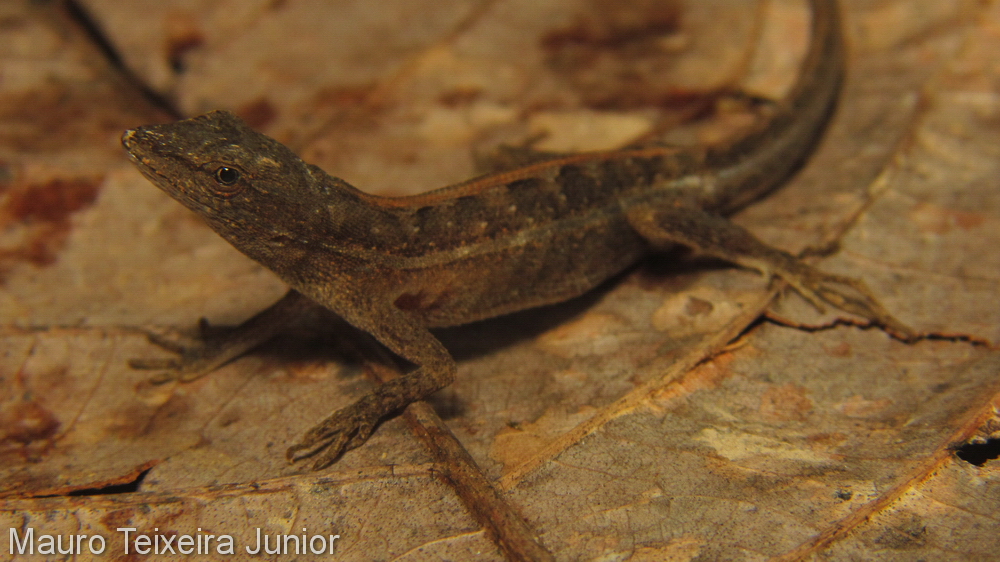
(543, 233)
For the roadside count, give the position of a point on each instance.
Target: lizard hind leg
(716, 236)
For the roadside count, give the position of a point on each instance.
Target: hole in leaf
(979, 453)
(126, 488)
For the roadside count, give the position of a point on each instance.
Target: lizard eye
(227, 176)
(228, 180)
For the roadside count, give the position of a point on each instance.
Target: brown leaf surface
(655, 419)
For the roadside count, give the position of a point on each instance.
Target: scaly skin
(543, 233)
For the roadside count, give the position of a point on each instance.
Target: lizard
(545, 232)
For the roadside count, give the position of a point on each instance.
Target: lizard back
(491, 245)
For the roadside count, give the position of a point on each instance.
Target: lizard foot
(716, 236)
(215, 346)
(196, 357)
(344, 430)
(845, 293)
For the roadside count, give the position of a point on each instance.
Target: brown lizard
(543, 233)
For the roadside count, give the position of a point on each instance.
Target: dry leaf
(625, 425)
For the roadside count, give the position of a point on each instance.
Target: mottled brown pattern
(538, 234)
(42, 212)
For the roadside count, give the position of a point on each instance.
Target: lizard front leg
(350, 427)
(214, 351)
(716, 236)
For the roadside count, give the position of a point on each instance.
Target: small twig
(508, 530)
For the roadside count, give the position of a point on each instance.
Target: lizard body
(539, 234)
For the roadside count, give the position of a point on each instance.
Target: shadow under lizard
(543, 233)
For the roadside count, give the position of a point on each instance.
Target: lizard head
(250, 188)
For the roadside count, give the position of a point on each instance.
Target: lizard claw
(170, 343)
(345, 429)
(170, 368)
